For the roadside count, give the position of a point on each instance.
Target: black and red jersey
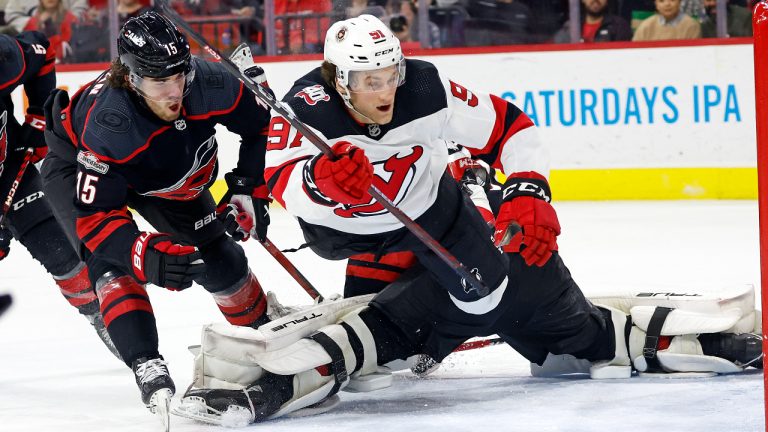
(24, 60)
(123, 149)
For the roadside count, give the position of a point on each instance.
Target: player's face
(372, 93)
(163, 95)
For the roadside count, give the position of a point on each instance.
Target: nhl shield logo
(374, 130)
(180, 124)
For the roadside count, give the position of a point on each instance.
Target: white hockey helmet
(361, 44)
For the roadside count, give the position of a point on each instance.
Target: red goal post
(760, 27)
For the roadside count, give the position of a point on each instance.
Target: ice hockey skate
(156, 387)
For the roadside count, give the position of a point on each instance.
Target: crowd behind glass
(82, 30)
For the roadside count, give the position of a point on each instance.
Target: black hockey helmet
(151, 46)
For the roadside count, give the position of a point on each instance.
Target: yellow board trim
(640, 184)
(654, 184)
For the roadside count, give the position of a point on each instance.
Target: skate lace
(151, 369)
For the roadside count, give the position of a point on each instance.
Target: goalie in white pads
(299, 362)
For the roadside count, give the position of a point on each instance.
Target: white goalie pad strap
(680, 322)
(307, 354)
(366, 339)
(720, 304)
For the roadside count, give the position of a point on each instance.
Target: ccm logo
(381, 53)
(26, 200)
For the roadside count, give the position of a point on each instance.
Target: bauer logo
(666, 294)
(91, 162)
(296, 321)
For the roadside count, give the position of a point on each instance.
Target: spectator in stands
(53, 20)
(399, 26)
(410, 11)
(18, 12)
(669, 22)
(548, 17)
(597, 24)
(304, 34)
(89, 41)
(739, 20)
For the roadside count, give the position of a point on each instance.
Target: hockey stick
(292, 270)
(22, 169)
(266, 97)
(482, 343)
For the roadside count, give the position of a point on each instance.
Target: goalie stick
(266, 97)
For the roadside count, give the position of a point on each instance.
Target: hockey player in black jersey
(27, 60)
(142, 135)
(387, 120)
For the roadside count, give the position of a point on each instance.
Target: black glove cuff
(520, 186)
(240, 185)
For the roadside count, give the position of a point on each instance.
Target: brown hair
(328, 72)
(118, 75)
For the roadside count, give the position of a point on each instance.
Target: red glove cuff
(36, 121)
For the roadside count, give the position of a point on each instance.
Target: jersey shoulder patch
(319, 106)
(111, 127)
(214, 90)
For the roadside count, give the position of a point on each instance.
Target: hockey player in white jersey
(388, 120)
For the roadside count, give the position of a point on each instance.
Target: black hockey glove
(158, 259)
(244, 210)
(5, 242)
(31, 135)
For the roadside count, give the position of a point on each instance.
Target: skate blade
(194, 408)
(159, 404)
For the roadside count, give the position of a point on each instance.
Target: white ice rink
(55, 375)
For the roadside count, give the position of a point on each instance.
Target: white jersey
(409, 154)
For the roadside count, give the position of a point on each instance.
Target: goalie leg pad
(228, 355)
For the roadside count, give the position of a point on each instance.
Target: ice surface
(56, 376)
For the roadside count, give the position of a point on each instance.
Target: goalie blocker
(301, 361)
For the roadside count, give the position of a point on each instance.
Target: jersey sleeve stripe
(95, 228)
(126, 300)
(509, 121)
(23, 69)
(277, 177)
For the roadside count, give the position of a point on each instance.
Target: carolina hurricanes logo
(312, 95)
(400, 172)
(194, 181)
(3, 139)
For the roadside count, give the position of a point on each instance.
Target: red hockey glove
(345, 180)
(31, 135)
(525, 203)
(158, 259)
(474, 178)
(243, 199)
(5, 242)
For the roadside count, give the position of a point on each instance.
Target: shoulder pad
(114, 132)
(213, 89)
(12, 59)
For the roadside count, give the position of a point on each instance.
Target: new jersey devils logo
(400, 171)
(194, 181)
(312, 95)
(3, 139)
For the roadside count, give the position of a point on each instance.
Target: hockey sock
(76, 287)
(243, 304)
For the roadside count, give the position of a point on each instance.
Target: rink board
(655, 122)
